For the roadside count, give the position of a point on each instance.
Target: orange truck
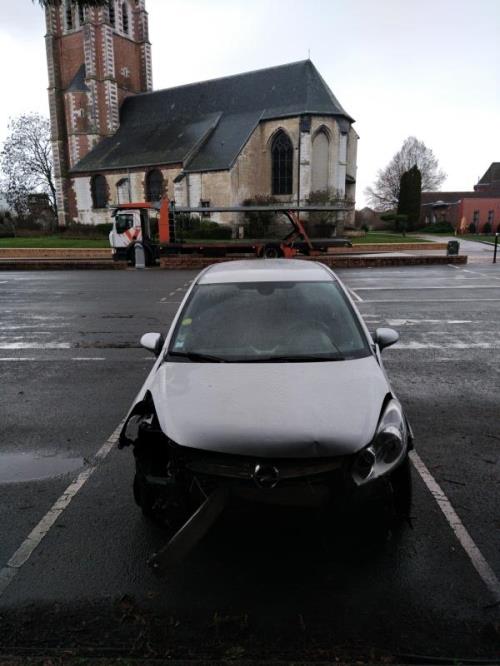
(154, 226)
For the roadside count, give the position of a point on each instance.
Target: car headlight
(388, 448)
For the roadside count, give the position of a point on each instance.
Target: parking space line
(433, 300)
(356, 296)
(479, 563)
(32, 541)
(424, 288)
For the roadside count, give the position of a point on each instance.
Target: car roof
(266, 270)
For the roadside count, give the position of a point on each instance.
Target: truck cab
(132, 224)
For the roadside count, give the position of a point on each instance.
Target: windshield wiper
(298, 358)
(196, 356)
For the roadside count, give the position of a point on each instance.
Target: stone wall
(81, 188)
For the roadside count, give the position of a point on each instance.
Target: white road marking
(88, 358)
(421, 288)
(456, 267)
(433, 300)
(478, 562)
(35, 345)
(405, 322)
(32, 541)
(167, 302)
(414, 345)
(356, 296)
(18, 359)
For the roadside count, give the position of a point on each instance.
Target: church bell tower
(96, 57)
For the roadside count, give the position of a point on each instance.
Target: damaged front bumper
(192, 487)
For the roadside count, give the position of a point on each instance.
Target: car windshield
(268, 322)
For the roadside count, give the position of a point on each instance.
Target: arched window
(320, 162)
(99, 190)
(123, 191)
(81, 14)
(111, 12)
(154, 185)
(125, 18)
(282, 164)
(69, 15)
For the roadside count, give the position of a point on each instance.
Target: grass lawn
(56, 241)
(383, 237)
(490, 238)
(53, 241)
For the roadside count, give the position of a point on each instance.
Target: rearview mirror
(153, 342)
(385, 337)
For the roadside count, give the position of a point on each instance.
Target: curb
(60, 264)
(333, 261)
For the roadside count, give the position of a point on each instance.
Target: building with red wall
(480, 207)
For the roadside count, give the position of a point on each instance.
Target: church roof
(205, 125)
(492, 174)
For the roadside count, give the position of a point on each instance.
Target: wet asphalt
(262, 584)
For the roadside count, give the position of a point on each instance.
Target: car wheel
(272, 251)
(146, 498)
(402, 493)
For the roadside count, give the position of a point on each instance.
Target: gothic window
(125, 18)
(69, 15)
(81, 14)
(99, 190)
(123, 191)
(320, 162)
(111, 12)
(282, 164)
(154, 185)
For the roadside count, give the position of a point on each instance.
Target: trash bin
(453, 248)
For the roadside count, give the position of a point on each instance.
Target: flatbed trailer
(132, 224)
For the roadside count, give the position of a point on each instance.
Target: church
(277, 132)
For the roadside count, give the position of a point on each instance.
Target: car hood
(292, 410)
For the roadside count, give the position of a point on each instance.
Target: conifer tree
(410, 193)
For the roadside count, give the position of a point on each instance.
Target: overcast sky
(428, 68)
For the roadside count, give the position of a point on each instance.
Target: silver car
(267, 388)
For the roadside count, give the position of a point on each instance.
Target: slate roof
(492, 174)
(204, 126)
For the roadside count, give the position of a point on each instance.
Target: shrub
(472, 228)
(257, 225)
(438, 228)
(207, 230)
(487, 228)
(104, 228)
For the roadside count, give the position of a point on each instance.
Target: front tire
(146, 498)
(402, 492)
(272, 251)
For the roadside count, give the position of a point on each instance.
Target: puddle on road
(18, 467)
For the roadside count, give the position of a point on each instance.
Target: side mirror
(153, 342)
(385, 337)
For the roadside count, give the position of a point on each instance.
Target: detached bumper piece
(190, 533)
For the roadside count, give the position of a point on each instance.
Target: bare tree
(26, 161)
(384, 195)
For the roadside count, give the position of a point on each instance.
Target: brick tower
(96, 57)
